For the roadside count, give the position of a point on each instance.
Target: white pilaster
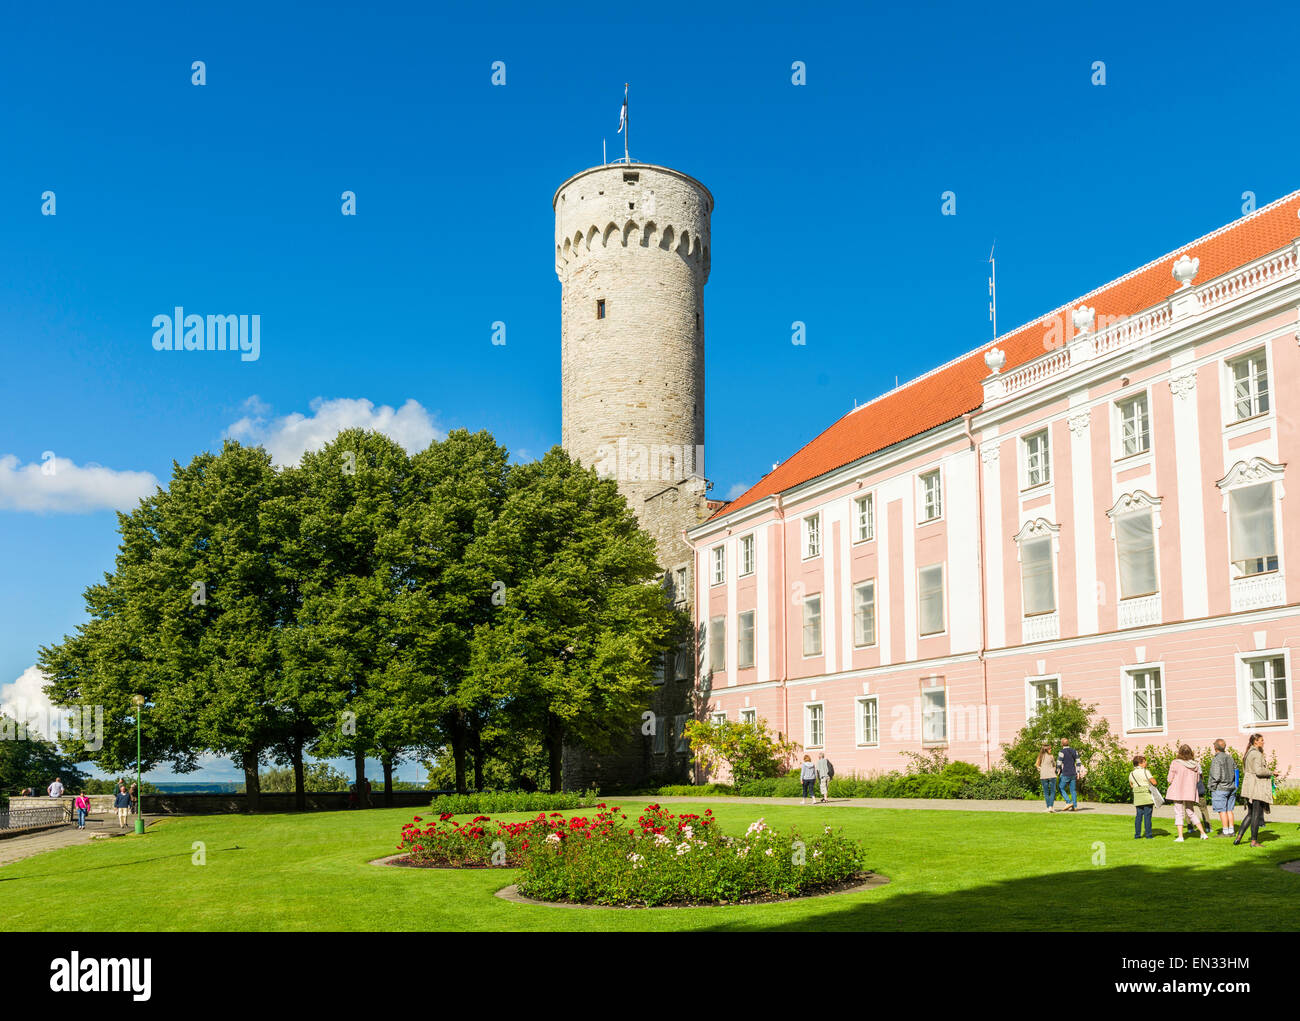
(1084, 526)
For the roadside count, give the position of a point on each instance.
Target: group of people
(1186, 789)
(124, 801)
(815, 778)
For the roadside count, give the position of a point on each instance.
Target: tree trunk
(555, 750)
(456, 732)
(299, 780)
(387, 760)
(359, 764)
(252, 784)
(476, 742)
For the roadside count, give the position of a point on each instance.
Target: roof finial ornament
(1083, 317)
(1185, 269)
(995, 358)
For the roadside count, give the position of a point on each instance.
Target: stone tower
(632, 254)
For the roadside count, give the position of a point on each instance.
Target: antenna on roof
(993, 290)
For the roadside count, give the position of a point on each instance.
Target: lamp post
(139, 791)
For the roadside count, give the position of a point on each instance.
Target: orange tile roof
(954, 389)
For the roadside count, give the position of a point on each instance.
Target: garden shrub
(511, 801)
(1000, 784)
(667, 859)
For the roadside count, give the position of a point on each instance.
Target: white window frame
(1127, 701)
(927, 689)
(1120, 404)
(1027, 453)
(718, 565)
(943, 599)
(1246, 717)
(719, 716)
(812, 536)
(741, 663)
(875, 637)
(922, 496)
(747, 555)
(1131, 505)
(859, 703)
(679, 585)
(808, 708)
(749, 715)
(1031, 696)
(821, 626)
(867, 534)
(1277, 533)
(1230, 363)
(718, 645)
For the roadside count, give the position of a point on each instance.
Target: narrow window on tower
(600, 308)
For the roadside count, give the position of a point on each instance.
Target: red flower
(445, 816)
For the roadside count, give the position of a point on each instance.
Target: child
(1140, 779)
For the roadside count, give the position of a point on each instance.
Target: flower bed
(670, 859)
(659, 858)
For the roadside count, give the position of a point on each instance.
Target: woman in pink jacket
(1184, 775)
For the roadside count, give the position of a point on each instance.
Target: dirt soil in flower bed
(404, 862)
(854, 884)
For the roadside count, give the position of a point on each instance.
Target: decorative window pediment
(1135, 503)
(1251, 473)
(1039, 528)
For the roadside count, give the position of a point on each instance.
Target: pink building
(1095, 506)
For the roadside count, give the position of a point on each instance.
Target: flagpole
(627, 124)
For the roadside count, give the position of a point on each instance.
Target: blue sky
(225, 198)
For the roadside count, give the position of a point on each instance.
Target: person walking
(1223, 786)
(82, 804)
(1256, 786)
(825, 771)
(55, 790)
(135, 800)
(122, 802)
(1144, 802)
(807, 774)
(1067, 768)
(1046, 763)
(1184, 776)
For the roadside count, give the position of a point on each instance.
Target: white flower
(768, 852)
(635, 859)
(758, 826)
(743, 851)
(554, 838)
(826, 830)
(687, 832)
(683, 847)
(817, 854)
(661, 839)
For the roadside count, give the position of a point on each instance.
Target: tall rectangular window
(1267, 690)
(1038, 464)
(815, 725)
(1135, 545)
(930, 598)
(1147, 699)
(1042, 693)
(812, 625)
(746, 555)
(745, 638)
(864, 518)
(931, 496)
(864, 613)
(661, 736)
(1249, 385)
(719, 564)
(1037, 580)
(600, 308)
(1134, 426)
(718, 644)
(659, 669)
(934, 716)
(868, 721)
(749, 717)
(682, 662)
(679, 732)
(1251, 533)
(812, 536)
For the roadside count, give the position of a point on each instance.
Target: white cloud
(287, 438)
(58, 484)
(24, 701)
(738, 490)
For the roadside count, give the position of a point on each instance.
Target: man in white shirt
(56, 788)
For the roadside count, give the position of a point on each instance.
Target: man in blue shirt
(1067, 764)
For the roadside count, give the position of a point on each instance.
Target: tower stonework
(632, 245)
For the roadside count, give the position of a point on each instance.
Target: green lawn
(949, 870)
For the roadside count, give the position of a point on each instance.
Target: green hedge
(496, 802)
(949, 780)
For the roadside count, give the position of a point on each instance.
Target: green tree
(1062, 717)
(317, 776)
(749, 750)
(568, 653)
(28, 760)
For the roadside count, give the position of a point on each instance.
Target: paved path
(14, 849)
(1280, 813)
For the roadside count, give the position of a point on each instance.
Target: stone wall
(225, 804)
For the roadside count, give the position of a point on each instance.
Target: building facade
(632, 253)
(1095, 506)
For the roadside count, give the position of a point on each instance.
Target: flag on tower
(622, 114)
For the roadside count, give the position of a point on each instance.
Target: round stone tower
(632, 254)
